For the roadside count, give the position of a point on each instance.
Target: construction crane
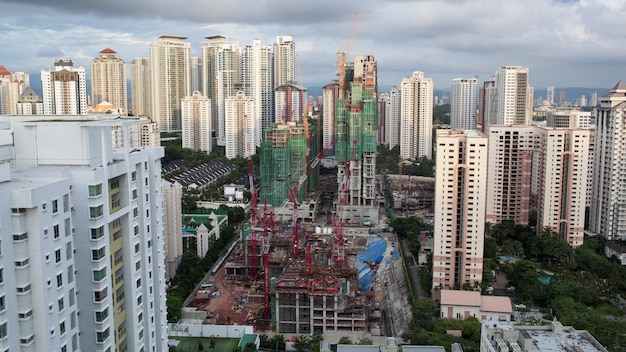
(343, 52)
(254, 218)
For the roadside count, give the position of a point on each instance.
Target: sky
(565, 43)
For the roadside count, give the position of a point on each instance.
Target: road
(413, 268)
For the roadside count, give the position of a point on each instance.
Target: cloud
(49, 51)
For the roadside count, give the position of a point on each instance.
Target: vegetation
(410, 228)
(276, 343)
(441, 114)
(387, 161)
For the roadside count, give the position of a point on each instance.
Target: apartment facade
(170, 80)
(416, 117)
(12, 85)
(196, 122)
(284, 60)
(240, 126)
(463, 103)
(108, 81)
(460, 197)
(64, 89)
(140, 88)
(330, 94)
(257, 82)
(108, 189)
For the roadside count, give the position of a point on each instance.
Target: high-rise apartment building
(284, 60)
(12, 85)
(108, 81)
(290, 103)
(463, 103)
(221, 78)
(539, 168)
(514, 96)
(460, 197)
(384, 106)
(416, 117)
(196, 122)
(140, 88)
(64, 89)
(170, 80)
(568, 118)
(85, 216)
(550, 94)
(172, 226)
(30, 103)
(195, 67)
(330, 94)
(608, 208)
(257, 83)
(393, 120)
(240, 126)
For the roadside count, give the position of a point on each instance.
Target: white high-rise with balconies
(330, 93)
(64, 89)
(108, 81)
(170, 80)
(284, 61)
(460, 199)
(221, 78)
(257, 82)
(608, 208)
(514, 97)
(82, 215)
(240, 126)
(463, 103)
(140, 88)
(12, 85)
(196, 118)
(416, 117)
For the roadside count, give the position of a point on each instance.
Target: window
(27, 340)
(97, 233)
(23, 289)
(60, 280)
(20, 236)
(136, 230)
(21, 263)
(57, 256)
(55, 206)
(101, 316)
(101, 336)
(25, 315)
(133, 176)
(95, 190)
(57, 232)
(72, 297)
(99, 275)
(3, 303)
(99, 296)
(68, 250)
(135, 194)
(61, 304)
(62, 328)
(119, 276)
(96, 212)
(1, 275)
(3, 331)
(139, 283)
(135, 212)
(98, 254)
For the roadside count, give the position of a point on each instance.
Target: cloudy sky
(565, 43)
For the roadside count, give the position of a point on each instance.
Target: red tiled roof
(4, 71)
(108, 51)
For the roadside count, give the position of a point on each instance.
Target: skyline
(564, 43)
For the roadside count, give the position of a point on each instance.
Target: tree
(424, 312)
(302, 343)
(344, 340)
(200, 346)
(365, 341)
(250, 347)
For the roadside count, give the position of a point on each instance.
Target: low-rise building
(614, 249)
(465, 304)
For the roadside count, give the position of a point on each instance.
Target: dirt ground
(222, 305)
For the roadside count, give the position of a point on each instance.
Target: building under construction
(356, 131)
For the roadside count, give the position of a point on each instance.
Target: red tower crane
(254, 218)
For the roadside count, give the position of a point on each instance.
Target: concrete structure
(140, 88)
(108, 81)
(384, 108)
(172, 226)
(241, 124)
(64, 89)
(459, 304)
(460, 197)
(568, 118)
(196, 122)
(330, 94)
(514, 97)
(150, 134)
(614, 249)
(505, 336)
(170, 80)
(284, 60)
(12, 86)
(608, 208)
(290, 103)
(463, 103)
(541, 168)
(416, 117)
(221, 78)
(393, 121)
(30, 103)
(257, 83)
(80, 178)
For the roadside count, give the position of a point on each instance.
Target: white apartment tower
(240, 126)
(170, 80)
(330, 93)
(384, 104)
(257, 82)
(64, 89)
(195, 67)
(108, 81)
(416, 117)
(12, 85)
(84, 213)
(393, 120)
(460, 197)
(514, 100)
(290, 103)
(140, 87)
(284, 60)
(608, 208)
(30, 103)
(196, 119)
(463, 104)
(172, 226)
(221, 78)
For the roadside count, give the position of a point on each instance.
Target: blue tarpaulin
(374, 251)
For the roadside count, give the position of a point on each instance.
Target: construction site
(412, 195)
(310, 259)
